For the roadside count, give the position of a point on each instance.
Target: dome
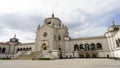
(114, 27)
(14, 39)
(53, 21)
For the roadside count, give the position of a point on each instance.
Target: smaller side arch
(92, 46)
(27, 49)
(81, 47)
(59, 37)
(3, 50)
(87, 47)
(76, 47)
(30, 48)
(99, 46)
(18, 49)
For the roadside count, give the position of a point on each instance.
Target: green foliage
(117, 58)
(4, 58)
(44, 59)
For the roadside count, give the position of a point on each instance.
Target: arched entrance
(107, 56)
(3, 50)
(44, 46)
(76, 47)
(81, 47)
(18, 49)
(59, 48)
(87, 47)
(99, 46)
(93, 47)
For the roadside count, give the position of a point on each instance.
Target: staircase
(31, 56)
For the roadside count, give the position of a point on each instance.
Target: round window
(45, 34)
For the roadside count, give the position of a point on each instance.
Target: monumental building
(53, 41)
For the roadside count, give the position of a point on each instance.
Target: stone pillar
(76, 54)
(55, 53)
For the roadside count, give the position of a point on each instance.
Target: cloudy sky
(84, 18)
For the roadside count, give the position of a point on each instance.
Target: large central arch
(44, 46)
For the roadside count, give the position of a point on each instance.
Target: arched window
(44, 48)
(116, 28)
(27, 49)
(87, 47)
(92, 46)
(107, 56)
(3, 50)
(21, 49)
(30, 48)
(99, 46)
(18, 49)
(49, 22)
(117, 43)
(59, 24)
(81, 46)
(59, 37)
(76, 48)
(59, 47)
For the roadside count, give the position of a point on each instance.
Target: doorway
(107, 56)
(44, 47)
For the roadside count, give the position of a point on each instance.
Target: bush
(44, 59)
(4, 58)
(117, 58)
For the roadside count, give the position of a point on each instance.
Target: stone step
(33, 55)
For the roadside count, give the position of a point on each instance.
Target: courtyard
(61, 63)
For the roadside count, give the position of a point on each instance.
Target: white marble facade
(53, 41)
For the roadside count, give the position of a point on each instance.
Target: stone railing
(18, 54)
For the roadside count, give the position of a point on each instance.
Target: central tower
(50, 36)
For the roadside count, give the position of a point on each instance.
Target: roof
(87, 38)
(3, 43)
(27, 43)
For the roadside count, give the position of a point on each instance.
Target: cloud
(16, 21)
(82, 17)
(22, 35)
(23, 26)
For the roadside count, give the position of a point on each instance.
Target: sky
(84, 18)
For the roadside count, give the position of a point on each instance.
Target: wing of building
(53, 41)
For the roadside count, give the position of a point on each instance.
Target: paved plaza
(61, 63)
